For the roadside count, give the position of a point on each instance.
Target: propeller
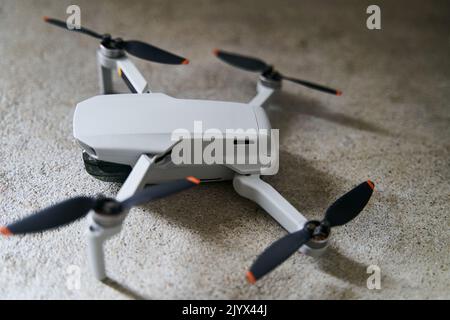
(342, 211)
(75, 208)
(257, 65)
(136, 48)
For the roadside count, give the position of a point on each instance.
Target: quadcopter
(127, 138)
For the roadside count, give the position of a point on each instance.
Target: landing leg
(105, 80)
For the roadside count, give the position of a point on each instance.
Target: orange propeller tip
(371, 184)
(339, 93)
(45, 18)
(185, 61)
(216, 51)
(193, 180)
(5, 231)
(250, 277)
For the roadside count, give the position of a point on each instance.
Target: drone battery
(105, 171)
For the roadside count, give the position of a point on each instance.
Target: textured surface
(392, 124)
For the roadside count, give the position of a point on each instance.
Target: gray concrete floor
(391, 124)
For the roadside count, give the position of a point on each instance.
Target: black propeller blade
(136, 48)
(63, 25)
(313, 85)
(342, 211)
(277, 252)
(257, 65)
(243, 62)
(347, 207)
(160, 191)
(52, 217)
(76, 208)
(148, 52)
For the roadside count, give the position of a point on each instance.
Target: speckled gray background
(391, 124)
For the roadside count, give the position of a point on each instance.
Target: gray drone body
(118, 129)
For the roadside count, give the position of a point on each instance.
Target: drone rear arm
(265, 91)
(253, 188)
(109, 63)
(131, 76)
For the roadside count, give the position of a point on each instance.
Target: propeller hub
(319, 230)
(320, 235)
(108, 212)
(111, 48)
(271, 78)
(112, 43)
(271, 73)
(108, 207)
(322, 231)
(274, 84)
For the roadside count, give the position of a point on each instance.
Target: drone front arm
(131, 76)
(99, 232)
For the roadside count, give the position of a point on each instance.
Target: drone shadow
(126, 291)
(309, 189)
(336, 264)
(214, 222)
(284, 104)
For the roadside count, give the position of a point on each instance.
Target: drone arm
(253, 188)
(136, 179)
(126, 70)
(264, 93)
(98, 232)
(131, 76)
